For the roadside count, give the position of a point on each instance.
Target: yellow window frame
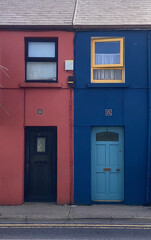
(119, 66)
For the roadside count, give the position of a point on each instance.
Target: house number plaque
(39, 111)
(108, 112)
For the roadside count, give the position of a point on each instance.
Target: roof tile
(113, 12)
(36, 12)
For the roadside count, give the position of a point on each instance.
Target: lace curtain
(107, 74)
(107, 58)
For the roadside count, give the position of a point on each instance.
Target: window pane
(107, 53)
(41, 71)
(41, 144)
(41, 49)
(107, 74)
(107, 136)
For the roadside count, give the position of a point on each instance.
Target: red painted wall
(19, 102)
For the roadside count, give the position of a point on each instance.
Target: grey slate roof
(113, 12)
(75, 13)
(36, 12)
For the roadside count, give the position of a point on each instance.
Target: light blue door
(107, 164)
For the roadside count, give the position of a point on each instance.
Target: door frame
(27, 157)
(109, 201)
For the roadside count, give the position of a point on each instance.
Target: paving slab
(34, 212)
(44, 212)
(110, 211)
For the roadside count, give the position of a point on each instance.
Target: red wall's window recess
(41, 59)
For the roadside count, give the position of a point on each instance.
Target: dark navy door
(40, 164)
(107, 164)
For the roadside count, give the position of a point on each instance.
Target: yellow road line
(95, 227)
(75, 225)
(70, 224)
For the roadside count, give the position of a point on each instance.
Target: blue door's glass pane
(107, 136)
(107, 53)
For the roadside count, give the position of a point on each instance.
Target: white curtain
(107, 58)
(107, 74)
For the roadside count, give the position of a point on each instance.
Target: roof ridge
(75, 12)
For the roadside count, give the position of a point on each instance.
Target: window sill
(108, 85)
(40, 85)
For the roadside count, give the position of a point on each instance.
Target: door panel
(107, 164)
(101, 155)
(40, 164)
(100, 177)
(113, 155)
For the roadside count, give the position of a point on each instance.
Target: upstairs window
(107, 60)
(41, 60)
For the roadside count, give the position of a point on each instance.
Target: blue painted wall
(128, 102)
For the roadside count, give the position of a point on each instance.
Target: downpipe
(149, 122)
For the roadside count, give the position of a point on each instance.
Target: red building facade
(36, 123)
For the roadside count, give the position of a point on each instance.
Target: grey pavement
(31, 212)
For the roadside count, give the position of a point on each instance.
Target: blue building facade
(112, 120)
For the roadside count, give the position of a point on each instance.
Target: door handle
(117, 169)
